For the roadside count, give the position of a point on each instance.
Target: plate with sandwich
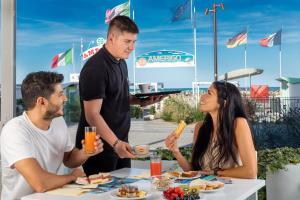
(101, 178)
(207, 186)
(185, 175)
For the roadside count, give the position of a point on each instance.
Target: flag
(122, 9)
(273, 39)
(238, 39)
(182, 11)
(63, 59)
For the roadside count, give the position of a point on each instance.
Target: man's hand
(98, 147)
(77, 173)
(151, 100)
(123, 149)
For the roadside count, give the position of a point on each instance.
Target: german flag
(238, 39)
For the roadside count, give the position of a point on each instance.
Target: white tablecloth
(239, 190)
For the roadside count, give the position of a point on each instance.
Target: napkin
(143, 175)
(68, 191)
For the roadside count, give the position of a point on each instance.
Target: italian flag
(63, 59)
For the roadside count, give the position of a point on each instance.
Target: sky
(46, 28)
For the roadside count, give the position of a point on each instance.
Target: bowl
(161, 182)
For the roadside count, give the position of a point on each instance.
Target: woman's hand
(171, 143)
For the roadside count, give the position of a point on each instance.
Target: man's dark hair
(39, 84)
(123, 24)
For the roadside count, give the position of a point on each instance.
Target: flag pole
(73, 58)
(280, 72)
(246, 59)
(195, 46)
(133, 59)
(81, 52)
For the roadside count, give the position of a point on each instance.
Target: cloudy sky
(46, 28)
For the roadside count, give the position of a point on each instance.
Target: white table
(239, 190)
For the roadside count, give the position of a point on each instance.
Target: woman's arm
(246, 150)
(171, 143)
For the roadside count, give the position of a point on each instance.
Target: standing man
(105, 98)
(35, 144)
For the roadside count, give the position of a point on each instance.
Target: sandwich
(180, 128)
(189, 174)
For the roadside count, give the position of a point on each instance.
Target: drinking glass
(155, 164)
(89, 139)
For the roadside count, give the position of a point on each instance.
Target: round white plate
(185, 178)
(202, 197)
(210, 191)
(115, 196)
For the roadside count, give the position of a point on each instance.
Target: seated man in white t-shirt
(35, 144)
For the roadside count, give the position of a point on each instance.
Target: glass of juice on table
(89, 139)
(155, 164)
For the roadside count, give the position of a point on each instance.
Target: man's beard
(52, 112)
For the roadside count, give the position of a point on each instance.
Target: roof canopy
(240, 73)
(289, 80)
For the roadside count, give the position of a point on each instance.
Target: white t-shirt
(21, 139)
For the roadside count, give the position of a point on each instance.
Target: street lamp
(214, 11)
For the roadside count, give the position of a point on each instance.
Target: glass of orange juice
(89, 139)
(155, 164)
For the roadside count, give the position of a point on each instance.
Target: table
(239, 190)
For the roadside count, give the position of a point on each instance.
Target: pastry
(180, 128)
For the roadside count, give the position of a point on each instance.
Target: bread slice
(189, 174)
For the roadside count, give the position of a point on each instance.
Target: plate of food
(181, 193)
(207, 186)
(141, 151)
(184, 175)
(130, 192)
(101, 178)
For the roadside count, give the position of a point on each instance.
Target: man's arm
(77, 157)
(41, 180)
(92, 109)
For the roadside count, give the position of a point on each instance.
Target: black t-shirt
(104, 77)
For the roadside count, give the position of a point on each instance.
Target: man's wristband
(115, 143)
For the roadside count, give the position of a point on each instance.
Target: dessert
(129, 191)
(180, 128)
(161, 182)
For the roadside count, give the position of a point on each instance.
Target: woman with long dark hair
(223, 143)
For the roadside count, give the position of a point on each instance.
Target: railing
(275, 121)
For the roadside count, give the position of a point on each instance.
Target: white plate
(115, 196)
(210, 191)
(184, 178)
(111, 180)
(202, 197)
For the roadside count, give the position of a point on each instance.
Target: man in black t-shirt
(105, 99)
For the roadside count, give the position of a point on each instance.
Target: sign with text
(165, 58)
(92, 51)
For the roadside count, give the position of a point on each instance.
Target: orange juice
(155, 168)
(89, 139)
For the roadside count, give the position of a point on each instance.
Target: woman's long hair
(231, 107)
